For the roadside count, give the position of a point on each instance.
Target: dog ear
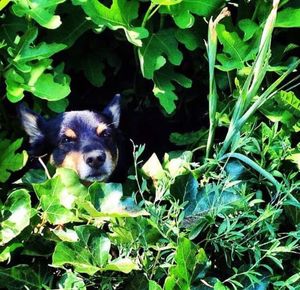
(32, 124)
(113, 110)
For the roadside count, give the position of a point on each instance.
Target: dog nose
(95, 158)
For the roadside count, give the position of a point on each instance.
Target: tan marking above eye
(70, 134)
(100, 128)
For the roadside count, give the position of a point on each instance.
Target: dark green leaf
(155, 49)
(164, 87)
(10, 161)
(235, 51)
(182, 13)
(41, 11)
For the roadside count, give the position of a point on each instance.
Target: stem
(45, 167)
(135, 169)
(146, 17)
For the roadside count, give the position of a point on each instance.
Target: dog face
(84, 141)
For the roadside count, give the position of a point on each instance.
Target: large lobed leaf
(59, 195)
(10, 161)
(30, 62)
(155, 48)
(118, 16)
(182, 13)
(42, 11)
(90, 254)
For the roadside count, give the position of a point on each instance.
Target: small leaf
(182, 13)
(164, 87)
(10, 161)
(124, 265)
(58, 106)
(106, 202)
(154, 286)
(71, 281)
(41, 11)
(249, 28)
(289, 17)
(153, 168)
(17, 211)
(190, 138)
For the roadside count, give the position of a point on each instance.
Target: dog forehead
(78, 119)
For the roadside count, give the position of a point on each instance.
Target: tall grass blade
(213, 95)
(254, 165)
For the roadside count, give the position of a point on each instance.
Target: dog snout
(95, 158)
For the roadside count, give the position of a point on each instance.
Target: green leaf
(94, 69)
(167, 3)
(154, 286)
(182, 13)
(178, 164)
(90, 254)
(106, 202)
(118, 16)
(189, 38)
(87, 255)
(52, 87)
(41, 11)
(153, 168)
(220, 286)
(46, 87)
(235, 51)
(59, 195)
(66, 235)
(164, 87)
(249, 28)
(190, 138)
(186, 259)
(21, 276)
(284, 107)
(75, 24)
(125, 265)
(155, 49)
(10, 161)
(26, 51)
(58, 106)
(5, 252)
(213, 199)
(16, 212)
(289, 17)
(71, 281)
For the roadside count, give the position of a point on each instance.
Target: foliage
(220, 212)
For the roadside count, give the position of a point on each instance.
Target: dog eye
(66, 139)
(105, 134)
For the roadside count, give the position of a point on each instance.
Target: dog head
(84, 141)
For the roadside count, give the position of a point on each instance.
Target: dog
(86, 141)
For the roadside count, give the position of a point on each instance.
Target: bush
(220, 211)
